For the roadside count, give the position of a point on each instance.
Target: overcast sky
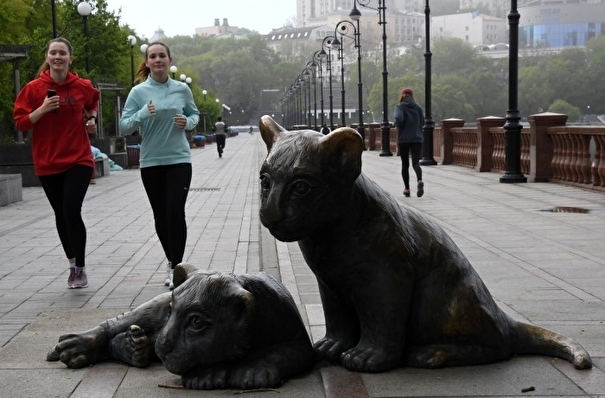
(181, 17)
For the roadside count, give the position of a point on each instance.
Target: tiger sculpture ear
(181, 272)
(270, 131)
(343, 147)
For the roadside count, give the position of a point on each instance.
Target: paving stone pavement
(542, 266)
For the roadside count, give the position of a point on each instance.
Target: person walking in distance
(60, 109)
(409, 119)
(163, 109)
(220, 133)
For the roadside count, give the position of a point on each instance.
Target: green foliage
(560, 106)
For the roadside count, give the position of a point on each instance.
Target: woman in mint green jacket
(163, 109)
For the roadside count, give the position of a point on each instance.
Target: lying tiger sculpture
(216, 330)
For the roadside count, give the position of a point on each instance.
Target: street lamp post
(218, 102)
(84, 9)
(299, 101)
(132, 40)
(318, 56)
(337, 44)
(386, 126)
(302, 81)
(327, 44)
(429, 126)
(312, 65)
(344, 26)
(204, 93)
(307, 78)
(512, 127)
(173, 70)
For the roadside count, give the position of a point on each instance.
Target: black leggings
(220, 142)
(167, 188)
(404, 150)
(65, 192)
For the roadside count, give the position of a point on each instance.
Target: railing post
(485, 144)
(448, 140)
(541, 145)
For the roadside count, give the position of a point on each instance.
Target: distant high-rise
(309, 10)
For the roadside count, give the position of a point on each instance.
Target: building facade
(559, 24)
(475, 29)
(307, 11)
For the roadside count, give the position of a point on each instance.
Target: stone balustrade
(551, 151)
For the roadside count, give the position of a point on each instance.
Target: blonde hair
(45, 65)
(143, 71)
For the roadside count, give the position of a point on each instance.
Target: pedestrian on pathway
(409, 119)
(220, 134)
(163, 109)
(60, 109)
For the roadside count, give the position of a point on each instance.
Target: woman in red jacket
(60, 109)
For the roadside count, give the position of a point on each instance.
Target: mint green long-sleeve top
(162, 142)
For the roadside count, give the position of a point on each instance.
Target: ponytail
(142, 72)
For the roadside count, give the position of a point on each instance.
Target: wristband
(92, 117)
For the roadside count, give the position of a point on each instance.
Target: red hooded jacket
(59, 139)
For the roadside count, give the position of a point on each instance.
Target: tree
(561, 106)
(535, 92)
(453, 56)
(449, 102)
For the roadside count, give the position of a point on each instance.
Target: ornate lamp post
(307, 79)
(132, 40)
(429, 125)
(173, 70)
(512, 128)
(386, 126)
(343, 28)
(204, 93)
(302, 84)
(318, 56)
(299, 101)
(312, 66)
(337, 45)
(327, 44)
(84, 9)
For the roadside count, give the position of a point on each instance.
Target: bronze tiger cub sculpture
(395, 288)
(216, 330)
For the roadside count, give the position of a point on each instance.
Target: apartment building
(473, 28)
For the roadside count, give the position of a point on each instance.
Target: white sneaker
(168, 280)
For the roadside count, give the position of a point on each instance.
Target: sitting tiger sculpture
(395, 288)
(216, 330)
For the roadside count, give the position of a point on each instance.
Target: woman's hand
(91, 125)
(151, 108)
(180, 121)
(51, 104)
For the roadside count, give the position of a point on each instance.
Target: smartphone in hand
(51, 93)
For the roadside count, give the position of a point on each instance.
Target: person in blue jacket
(409, 119)
(163, 109)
